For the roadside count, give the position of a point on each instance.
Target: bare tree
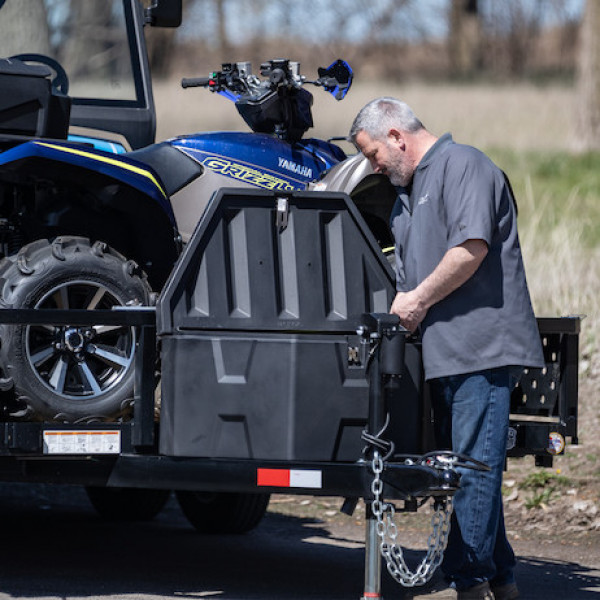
(512, 31)
(161, 43)
(523, 33)
(222, 38)
(588, 96)
(464, 38)
(88, 36)
(20, 28)
(382, 38)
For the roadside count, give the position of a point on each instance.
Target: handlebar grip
(187, 82)
(328, 81)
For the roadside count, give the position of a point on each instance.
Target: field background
(529, 131)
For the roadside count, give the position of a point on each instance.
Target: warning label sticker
(82, 442)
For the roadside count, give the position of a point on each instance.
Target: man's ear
(396, 136)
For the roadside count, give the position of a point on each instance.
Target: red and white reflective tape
(289, 478)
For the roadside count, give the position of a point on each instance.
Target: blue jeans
(471, 417)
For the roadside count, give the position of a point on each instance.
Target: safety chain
(388, 532)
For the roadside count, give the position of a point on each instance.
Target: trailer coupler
(382, 532)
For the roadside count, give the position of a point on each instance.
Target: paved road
(54, 546)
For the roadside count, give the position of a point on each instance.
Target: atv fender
(33, 159)
(96, 194)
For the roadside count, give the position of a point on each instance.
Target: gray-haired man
(461, 282)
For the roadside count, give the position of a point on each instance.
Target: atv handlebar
(274, 102)
(235, 80)
(188, 82)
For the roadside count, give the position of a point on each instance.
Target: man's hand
(410, 308)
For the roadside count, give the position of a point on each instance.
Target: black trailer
(277, 369)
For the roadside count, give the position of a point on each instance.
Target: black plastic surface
(274, 396)
(260, 356)
(175, 168)
(317, 269)
(27, 105)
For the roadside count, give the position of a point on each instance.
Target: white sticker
(82, 442)
(305, 479)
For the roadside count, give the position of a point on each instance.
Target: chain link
(388, 533)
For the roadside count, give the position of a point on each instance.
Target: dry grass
(517, 116)
(563, 273)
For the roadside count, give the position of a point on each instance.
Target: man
(461, 281)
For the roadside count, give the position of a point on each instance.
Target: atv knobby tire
(69, 373)
(223, 512)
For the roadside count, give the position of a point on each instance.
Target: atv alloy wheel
(70, 373)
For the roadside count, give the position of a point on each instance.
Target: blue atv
(93, 213)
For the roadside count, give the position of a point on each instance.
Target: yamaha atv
(93, 214)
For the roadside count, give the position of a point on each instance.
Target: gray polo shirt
(458, 194)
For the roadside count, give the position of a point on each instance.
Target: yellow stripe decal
(388, 249)
(110, 161)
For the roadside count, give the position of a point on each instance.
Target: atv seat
(175, 169)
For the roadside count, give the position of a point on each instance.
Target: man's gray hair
(383, 114)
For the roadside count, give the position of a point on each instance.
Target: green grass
(544, 479)
(545, 486)
(542, 499)
(558, 195)
(556, 187)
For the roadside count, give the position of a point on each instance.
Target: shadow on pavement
(54, 545)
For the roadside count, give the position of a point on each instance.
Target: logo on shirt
(423, 199)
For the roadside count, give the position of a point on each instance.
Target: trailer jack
(385, 339)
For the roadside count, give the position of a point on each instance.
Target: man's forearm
(455, 268)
